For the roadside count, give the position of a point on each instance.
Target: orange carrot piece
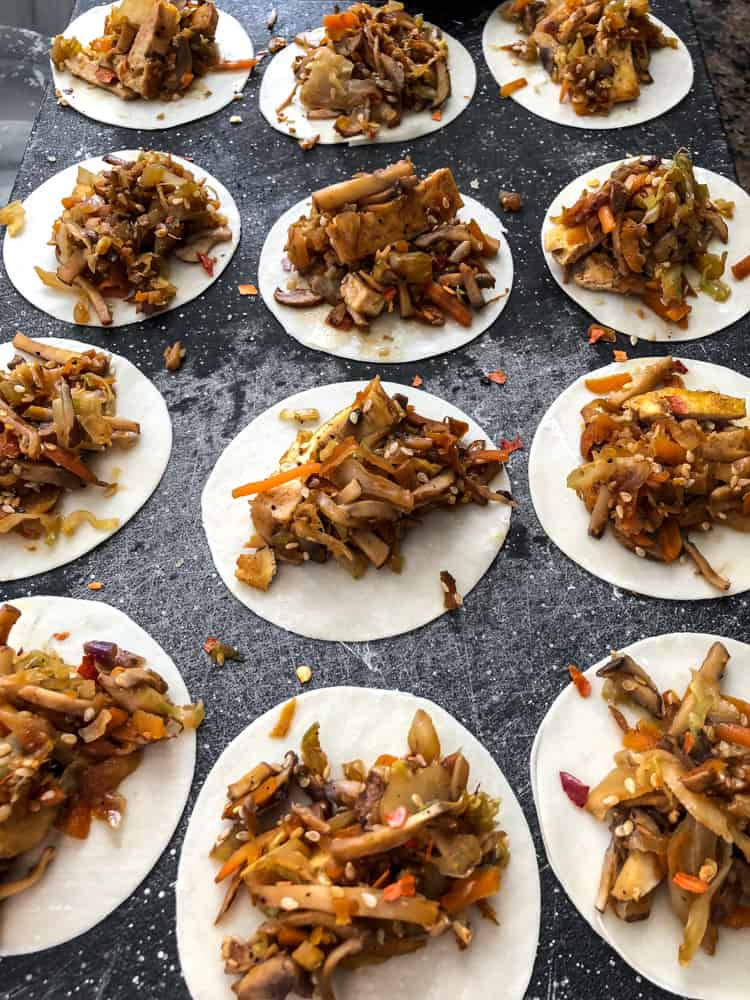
(448, 303)
(264, 485)
(606, 218)
(741, 269)
(284, 720)
(739, 918)
(733, 733)
(232, 64)
(677, 313)
(690, 883)
(579, 681)
(337, 25)
(607, 383)
(670, 540)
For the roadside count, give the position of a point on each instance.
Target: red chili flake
(576, 791)
(95, 585)
(677, 405)
(104, 75)
(417, 381)
(437, 116)
(597, 333)
(510, 446)
(677, 366)
(61, 636)
(582, 684)
(620, 355)
(207, 263)
(87, 668)
(397, 818)
(498, 377)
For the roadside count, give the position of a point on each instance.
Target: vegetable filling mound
(56, 410)
(120, 227)
(372, 65)
(387, 241)
(662, 461)
(646, 232)
(350, 490)
(358, 869)
(598, 52)
(677, 802)
(71, 735)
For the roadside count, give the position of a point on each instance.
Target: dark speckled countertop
(499, 663)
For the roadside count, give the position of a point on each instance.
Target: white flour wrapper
(390, 339)
(90, 878)
(30, 248)
(278, 83)
(555, 453)
(672, 70)
(626, 313)
(206, 96)
(362, 722)
(322, 601)
(137, 471)
(579, 736)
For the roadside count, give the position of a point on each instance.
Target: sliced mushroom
(347, 948)
(299, 298)
(634, 682)
(274, 979)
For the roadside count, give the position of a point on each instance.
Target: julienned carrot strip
(264, 485)
(232, 64)
(677, 313)
(337, 25)
(690, 883)
(739, 918)
(733, 733)
(510, 88)
(448, 303)
(741, 269)
(489, 455)
(606, 218)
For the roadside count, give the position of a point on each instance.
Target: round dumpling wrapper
(579, 736)
(206, 96)
(278, 83)
(22, 253)
(672, 71)
(137, 472)
(555, 453)
(626, 313)
(88, 879)
(390, 339)
(322, 601)
(500, 959)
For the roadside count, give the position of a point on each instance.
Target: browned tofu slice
(687, 403)
(88, 69)
(355, 235)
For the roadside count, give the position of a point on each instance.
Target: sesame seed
(288, 904)
(69, 739)
(313, 836)
(88, 715)
(610, 800)
(630, 785)
(369, 900)
(304, 673)
(641, 553)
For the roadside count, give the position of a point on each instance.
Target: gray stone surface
(497, 665)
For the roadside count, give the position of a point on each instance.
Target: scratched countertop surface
(499, 663)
